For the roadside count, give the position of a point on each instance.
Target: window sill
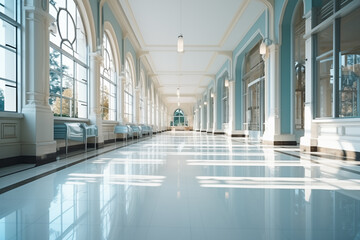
(11, 115)
(69, 119)
(110, 122)
(337, 120)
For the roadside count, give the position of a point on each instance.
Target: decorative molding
(8, 130)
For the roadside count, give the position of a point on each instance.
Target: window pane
(67, 107)
(349, 79)
(81, 91)
(55, 104)
(7, 96)
(8, 7)
(7, 64)
(68, 66)
(325, 40)
(7, 34)
(81, 110)
(325, 87)
(81, 73)
(67, 87)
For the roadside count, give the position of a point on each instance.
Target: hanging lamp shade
(180, 44)
(262, 48)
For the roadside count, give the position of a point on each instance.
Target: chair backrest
(75, 131)
(135, 128)
(121, 129)
(90, 130)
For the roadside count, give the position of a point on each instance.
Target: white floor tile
(186, 186)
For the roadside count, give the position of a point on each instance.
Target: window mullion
(336, 46)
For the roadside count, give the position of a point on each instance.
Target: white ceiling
(209, 27)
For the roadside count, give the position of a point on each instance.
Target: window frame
(334, 21)
(14, 22)
(77, 63)
(111, 79)
(129, 92)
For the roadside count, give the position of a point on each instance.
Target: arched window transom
(68, 62)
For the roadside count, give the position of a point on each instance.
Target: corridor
(188, 185)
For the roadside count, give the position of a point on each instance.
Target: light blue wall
(253, 36)
(95, 12)
(280, 4)
(285, 69)
(128, 47)
(109, 16)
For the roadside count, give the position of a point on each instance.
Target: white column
(201, 116)
(38, 124)
(145, 110)
(137, 106)
(309, 141)
(151, 112)
(122, 81)
(272, 133)
(231, 124)
(95, 95)
(119, 92)
(208, 99)
(215, 114)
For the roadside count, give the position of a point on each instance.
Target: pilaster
(272, 134)
(37, 144)
(122, 82)
(136, 105)
(95, 95)
(309, 141)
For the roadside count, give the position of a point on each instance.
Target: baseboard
(281, 143)
(308, 148)
(340, 153)
(239, 135)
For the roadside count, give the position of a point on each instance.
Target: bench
(136, 130)
(121, 129)
(145, 129)
(75, 132)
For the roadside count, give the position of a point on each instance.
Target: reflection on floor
(187, 185)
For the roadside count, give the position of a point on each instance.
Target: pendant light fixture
(180, 42)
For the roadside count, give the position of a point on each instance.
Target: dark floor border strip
(34, 178)
(21, 170)
(311, 160)
(315, 161)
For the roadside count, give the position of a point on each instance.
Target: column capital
(96, 56)
(33, 12)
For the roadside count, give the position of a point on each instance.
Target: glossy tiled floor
(189, 186)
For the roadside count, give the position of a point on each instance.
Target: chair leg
(66, 146)
(85, 144)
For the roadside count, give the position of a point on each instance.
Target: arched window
(211, 108)
(108, 82)
(179, 118)
(9, 51)
(254, 85)
(128, 91)
(141, 98)
(68, 62)
(299, 65)
(149, 108)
